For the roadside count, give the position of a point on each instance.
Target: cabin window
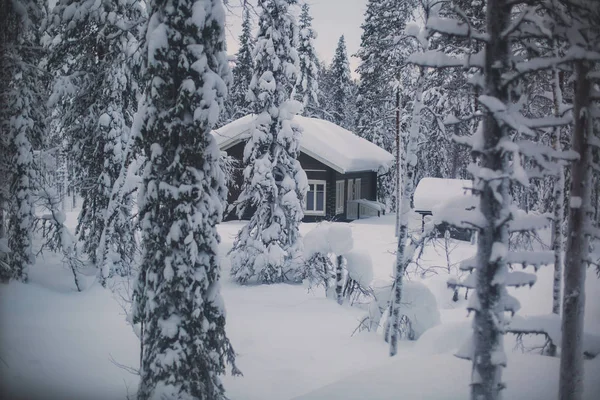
(339, 197)
(315, 198)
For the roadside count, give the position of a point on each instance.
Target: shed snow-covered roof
(431, 192)
(322, 140)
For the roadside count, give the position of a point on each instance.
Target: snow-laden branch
(452, 27)
(439, 59)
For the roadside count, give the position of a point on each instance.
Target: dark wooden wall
(314, 170)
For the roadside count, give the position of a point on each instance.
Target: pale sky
(331, 19)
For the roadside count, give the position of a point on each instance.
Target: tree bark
(571, 360)
(398, 162)
(410, 168)
(339, 279)
(495, 201)
(559, 205)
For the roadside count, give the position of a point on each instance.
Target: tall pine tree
(177, 298)
(237, 104)
(268, 248)
(341, 83)
(22, 122)
(307, 88)
(95, 89)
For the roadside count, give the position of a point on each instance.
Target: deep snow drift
(56, 343)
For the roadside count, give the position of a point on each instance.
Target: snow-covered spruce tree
(341, 85)
(177, 298)
(382, 101)
(325, 85)
(582, 32)
(237, 105)
(504, 141)
(268, 249)
(96, 92)
(381, 61)
(117, 246)
(307, 88)
(22, 122)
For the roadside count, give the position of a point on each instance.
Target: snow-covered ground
(292, 343)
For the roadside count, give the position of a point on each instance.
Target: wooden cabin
(341, 168)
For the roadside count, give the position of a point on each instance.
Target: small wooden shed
(432, 193)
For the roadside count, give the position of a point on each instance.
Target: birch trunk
(398, 163)
(494, 205)
(339, 279)
(559, 205)
(407, 191)
(571, 360)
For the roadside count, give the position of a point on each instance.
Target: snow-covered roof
(431, 192)
(322, 140)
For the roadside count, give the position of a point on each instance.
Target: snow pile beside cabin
(434, 192)
(322, 140)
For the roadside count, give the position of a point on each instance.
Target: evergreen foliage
(22, 124)
(307, 89)
(177, 298)
(341, 85)
(95, 90)
(268, 249)
(237, 104)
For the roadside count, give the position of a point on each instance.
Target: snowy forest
(418, 218)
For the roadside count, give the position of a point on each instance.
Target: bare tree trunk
(398, 162)
(495, 201)
(571, 360)
(410, 167)
(455, 156)
(559, 204)
(2, 223)
(339, 279)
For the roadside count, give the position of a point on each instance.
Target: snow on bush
(444, 338)
(317, 240)
(340, 239)
(420, 307)
(360, 267)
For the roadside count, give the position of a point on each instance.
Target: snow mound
(340, 238)
(550, 325)
(432, 191)
(419, 306)
(444, 338)
(360, 267)
(317, 241)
